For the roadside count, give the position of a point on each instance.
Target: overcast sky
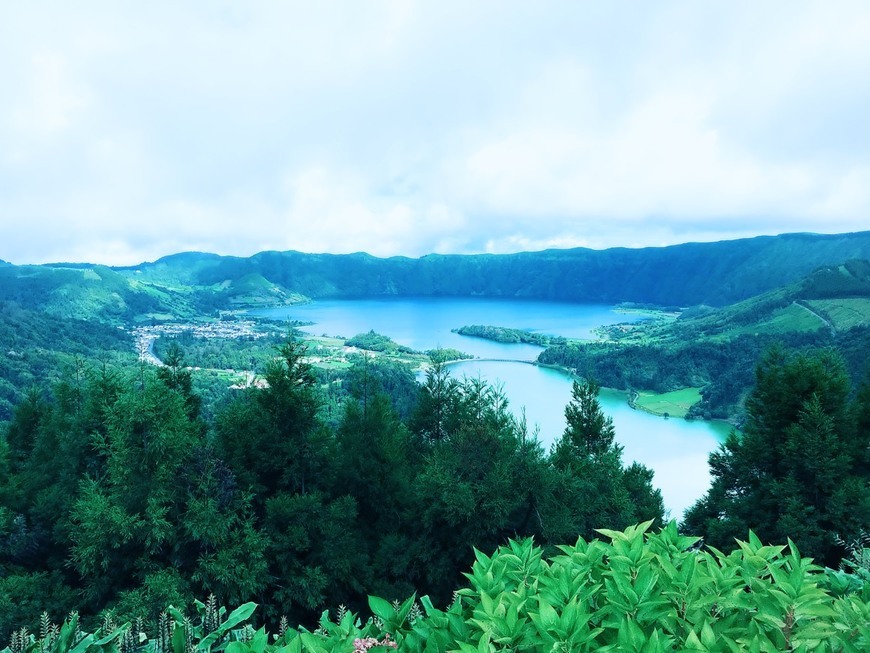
(132, 130)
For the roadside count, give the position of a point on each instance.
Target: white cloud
(402, 127)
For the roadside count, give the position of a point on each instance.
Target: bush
(638, 592)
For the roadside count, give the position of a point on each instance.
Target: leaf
(693, 644)
(67, 632)
(237, 616)
(382, 609)
(176, 614)
(311, 643)
(260, 640)
(178, 643)
(115, 634)
(236, 647)
(405, 609)
(83, 645)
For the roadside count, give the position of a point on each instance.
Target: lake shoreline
(571, 375)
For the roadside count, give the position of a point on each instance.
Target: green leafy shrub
(638, 592)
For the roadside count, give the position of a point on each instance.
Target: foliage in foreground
(639, 592)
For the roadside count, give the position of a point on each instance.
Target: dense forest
(116, 493)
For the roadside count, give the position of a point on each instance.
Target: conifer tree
(432, 417)
(796, 470)
(589, 487)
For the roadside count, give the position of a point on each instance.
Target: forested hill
(694, 273)
(190, 284)
(716, 349)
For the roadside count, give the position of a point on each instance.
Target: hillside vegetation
(708, 346)
(190, 284)
(684, 275)
(715, 348)
(115, 492)
(125, 487)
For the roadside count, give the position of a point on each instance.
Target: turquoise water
(425, 322)
(676, 450)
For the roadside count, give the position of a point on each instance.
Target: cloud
(403, 127)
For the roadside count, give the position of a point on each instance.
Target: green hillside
(841, 292)
(742, 296)
(38, 348)
(716, 348)
(93, 292)
(683, 275)
(693, 274)
(255, 290)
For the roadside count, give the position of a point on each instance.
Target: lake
(425, 322)
(676, 450)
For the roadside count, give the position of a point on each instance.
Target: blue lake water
(426, 322)
(676, 450)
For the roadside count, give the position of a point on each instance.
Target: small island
(507, 335)
(376, 342)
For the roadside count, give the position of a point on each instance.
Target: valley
(239, 396)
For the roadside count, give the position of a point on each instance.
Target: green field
(782, 320)
(844, 313)
(672, 404)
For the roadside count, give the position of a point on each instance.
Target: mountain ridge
(686, 274)
(192, 283)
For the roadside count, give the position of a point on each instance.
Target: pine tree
(432, 419)
(796, 470)
(589, 432)
(589, 487)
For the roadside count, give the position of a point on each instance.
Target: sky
(133, 130)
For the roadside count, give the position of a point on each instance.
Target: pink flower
(361, 645)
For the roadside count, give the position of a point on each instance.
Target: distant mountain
(694, 273)
(192, 283)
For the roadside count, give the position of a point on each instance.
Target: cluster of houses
(146, 335)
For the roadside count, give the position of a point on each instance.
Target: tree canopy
(799, 467)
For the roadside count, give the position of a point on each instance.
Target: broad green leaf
(382, 608)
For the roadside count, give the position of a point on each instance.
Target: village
(145, 336)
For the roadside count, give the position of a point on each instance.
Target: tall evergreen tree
(478, 484)
(796, 470)
(590, 487)
(271, 437)
(176, 376)
(435, 407)
(589, 432)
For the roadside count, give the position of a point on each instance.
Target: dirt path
(812, 312)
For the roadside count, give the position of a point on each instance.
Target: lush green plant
(639, 591)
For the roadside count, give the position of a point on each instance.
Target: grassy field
(672, 404)
(843, 313)
(783, 320)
